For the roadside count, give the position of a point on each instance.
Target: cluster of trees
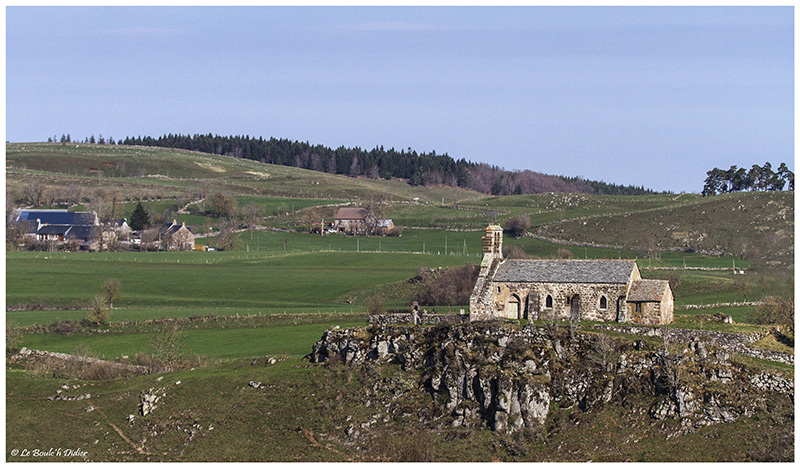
(428, 169)
(738, 179)
(68, 139)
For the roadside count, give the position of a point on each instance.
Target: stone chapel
(597, 290)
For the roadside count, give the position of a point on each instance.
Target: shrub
(222, 206)
(564, 254)
(374, 306)
(66, 327)
(518, 225)
(98, 311)
(774, 310)
(453, 287)
(168, 345)
(515, 251)
(112, 288)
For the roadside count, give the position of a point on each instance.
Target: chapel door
(575, 308)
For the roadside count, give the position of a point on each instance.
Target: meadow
(279, 288)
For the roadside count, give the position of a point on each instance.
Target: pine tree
(139, 218)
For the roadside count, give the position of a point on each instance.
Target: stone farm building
(354, 220)
(174, 236)
(597, 290)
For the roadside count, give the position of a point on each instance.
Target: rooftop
(565, 271)
(647, 290)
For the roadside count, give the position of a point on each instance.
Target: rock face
(509, 379)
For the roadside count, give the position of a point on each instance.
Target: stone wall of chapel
(533, 299)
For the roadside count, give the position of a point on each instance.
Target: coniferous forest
(417, 168)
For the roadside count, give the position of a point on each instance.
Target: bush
(518, 225)
(774, 311)
(98, 311)
(168, 346)
(564, 254)
(514, 251)
(222, 206)
(112, 289)
(375, 306)
(453, 287)
(66, 327)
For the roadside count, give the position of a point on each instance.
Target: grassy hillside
(750, 225)
(146, 172)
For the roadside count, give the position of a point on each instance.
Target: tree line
(757, 178)
(426, 169)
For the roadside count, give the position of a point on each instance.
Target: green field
(218, 343)
(279, 288)
(206, 281)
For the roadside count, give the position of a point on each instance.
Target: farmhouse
(598, 290)
(60, 226)
(354, 221)
(174, 236)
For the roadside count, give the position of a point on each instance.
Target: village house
(354, 221)
(59, 227)
(174, 236)
(597, 290)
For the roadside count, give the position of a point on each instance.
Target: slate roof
(53, 229)
(565, 271)
(647, 290)
(351, 213)
(58, 217)
(172, 228)
(84, 232)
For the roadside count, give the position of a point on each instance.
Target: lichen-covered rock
(509, 378)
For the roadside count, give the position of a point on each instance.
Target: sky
(643, 96)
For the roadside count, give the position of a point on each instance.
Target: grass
(182, 283)
(135, 171)
(300, 281)
(756, 223)
(220, 343)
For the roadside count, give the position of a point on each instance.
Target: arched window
(603, 303)
(548, 302)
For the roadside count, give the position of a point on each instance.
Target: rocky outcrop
(509, 378)
(738, 343)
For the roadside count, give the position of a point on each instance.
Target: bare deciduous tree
(112, 289)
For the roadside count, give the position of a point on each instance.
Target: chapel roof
(565, 271)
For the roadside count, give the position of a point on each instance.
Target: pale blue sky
(630, 95)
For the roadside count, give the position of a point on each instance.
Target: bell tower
(493, 242)
(481, 301)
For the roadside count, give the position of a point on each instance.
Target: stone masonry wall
(533, 300)
(421, 319)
